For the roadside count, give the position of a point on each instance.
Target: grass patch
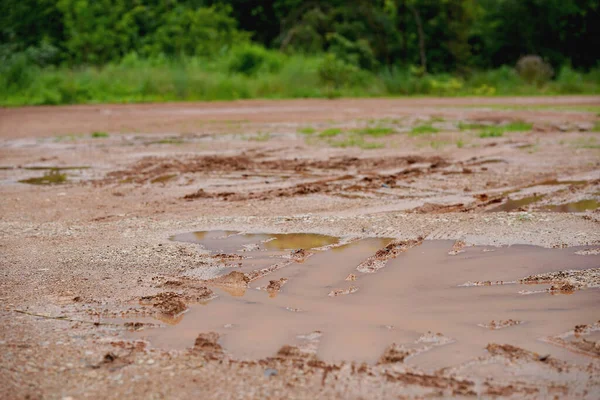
(460, 143)
(375, 131)
(517, 126)
(97, 135)
(498, 131)
(57, 169)
(470, 126)
(586, 143)
(494, 131)
(596, 127)
(423, 129)
(51, 178)
(331, 132)
(169, 141)
(307, 130)
(356, 141)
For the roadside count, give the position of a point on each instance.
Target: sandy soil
(86, 249)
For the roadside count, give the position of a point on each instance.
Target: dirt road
(99, 302)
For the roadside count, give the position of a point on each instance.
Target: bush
(250, 59)
(534, 70)
(336, 73)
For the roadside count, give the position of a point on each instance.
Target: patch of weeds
(163, 178)
(66, 138)
(375, 131)
(53, 177)
(423, 129)
(470, 126)
(356, 141)
(261, 137)
(586, 143)
(437, 118)
(58, 169)
(460, 143)
(330, 132)
(307, 130)
(98, 135)
(494, 131)
(517, 126)
(524, 217)
(437, 144)
(170, 141)
(596, 127)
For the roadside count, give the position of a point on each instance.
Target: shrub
(337, 73)
(250, 59)
(534, 70)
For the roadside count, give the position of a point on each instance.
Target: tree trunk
(421, 34)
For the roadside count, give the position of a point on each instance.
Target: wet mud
(385, 315)
(421, 283)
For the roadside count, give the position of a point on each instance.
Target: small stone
(150, 362)
(269, 372)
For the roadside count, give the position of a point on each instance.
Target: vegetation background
(89, 51)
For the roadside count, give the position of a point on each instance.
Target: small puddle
(340, 313)
(514, 205)
(578, 206)
(53, 177)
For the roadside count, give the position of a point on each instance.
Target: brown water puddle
(513, 205)
(417, 292)
(574, 207)
(578, 206)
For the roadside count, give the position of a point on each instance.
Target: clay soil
(91, 243)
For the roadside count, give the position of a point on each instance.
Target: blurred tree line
(433, 35)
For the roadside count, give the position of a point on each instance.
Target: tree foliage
(433, 35)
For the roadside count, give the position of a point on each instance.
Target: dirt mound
(275, 285)
(394, 354)
(167, 303)
(568, 280)
(233, 279)
(207, 343)
(378, 261)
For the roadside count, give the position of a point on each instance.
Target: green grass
(517, 126)
(137, 80)
(307, 130)
(330, 132)
(356, 141)
(499, 130)
(460, 143)
(423, 130)
(596, 127)
(470, 126)
(97, 135)
(586, 143)
(491, 132)
(375, 131)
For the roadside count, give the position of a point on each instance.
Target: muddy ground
(92, 194)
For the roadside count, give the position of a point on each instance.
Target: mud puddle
(408, 305)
